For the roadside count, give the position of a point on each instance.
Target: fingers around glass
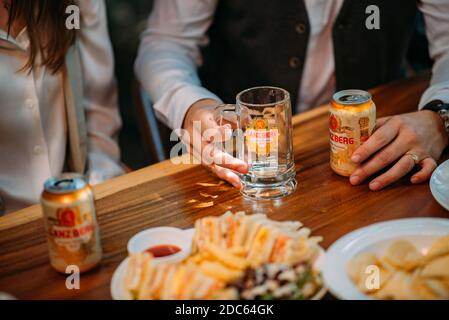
(224, 159)
(227, 175)
(225, 114)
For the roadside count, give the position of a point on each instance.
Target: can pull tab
(64, 183)
(68, 182)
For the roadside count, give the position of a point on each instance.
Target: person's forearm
(170, 77)
(169, 56)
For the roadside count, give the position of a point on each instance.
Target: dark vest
(264, 42)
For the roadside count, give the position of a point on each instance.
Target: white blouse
(33, 125)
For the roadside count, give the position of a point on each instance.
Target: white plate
(439, 184)
(119, 292)
(376, 238)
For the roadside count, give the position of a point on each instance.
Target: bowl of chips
(405, 259)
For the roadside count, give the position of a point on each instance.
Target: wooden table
(158, 196)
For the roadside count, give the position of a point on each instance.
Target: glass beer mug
(263, 139)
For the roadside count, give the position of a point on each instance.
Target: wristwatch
(442, 109)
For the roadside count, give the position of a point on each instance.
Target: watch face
(436, 105)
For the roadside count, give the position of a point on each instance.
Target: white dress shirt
(33, 123)
(169, 54)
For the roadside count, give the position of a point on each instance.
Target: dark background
(128, 18)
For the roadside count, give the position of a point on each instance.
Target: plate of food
(233, 256)
(406, 259)
(439, 184)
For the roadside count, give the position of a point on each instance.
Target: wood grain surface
(159, 196)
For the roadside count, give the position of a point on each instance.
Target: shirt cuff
(180, 101)
(439, 85)
(435, 92)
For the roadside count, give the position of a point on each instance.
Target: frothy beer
(352, 119)
(71, 223)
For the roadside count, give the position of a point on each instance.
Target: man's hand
(396, 139)
(218, 161)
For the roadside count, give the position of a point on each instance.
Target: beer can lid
(65, 184)
(352, 97)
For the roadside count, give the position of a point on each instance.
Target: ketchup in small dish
(163, 250)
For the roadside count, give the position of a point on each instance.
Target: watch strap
(436, 105)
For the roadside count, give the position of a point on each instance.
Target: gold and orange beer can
(352, 120)
(71, 225)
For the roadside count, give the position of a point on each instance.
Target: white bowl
(439, 184)
(376, 238)
(162, 236)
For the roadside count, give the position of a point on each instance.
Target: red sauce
(163, 250)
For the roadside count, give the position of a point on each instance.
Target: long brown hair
(45, 23)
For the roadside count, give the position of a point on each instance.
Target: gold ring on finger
(415, 157)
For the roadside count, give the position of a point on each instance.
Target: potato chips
(405, 272)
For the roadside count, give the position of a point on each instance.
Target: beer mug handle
(226, 114)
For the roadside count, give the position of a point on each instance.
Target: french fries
(226, 257)
(238, 251)
(259, 239)
(219, 263)
(219, 271)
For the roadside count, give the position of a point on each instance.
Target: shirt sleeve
(100, 92)
(436, 15)
(169, 55)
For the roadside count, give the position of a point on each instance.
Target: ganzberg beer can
(352, 119)
(71, 224)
